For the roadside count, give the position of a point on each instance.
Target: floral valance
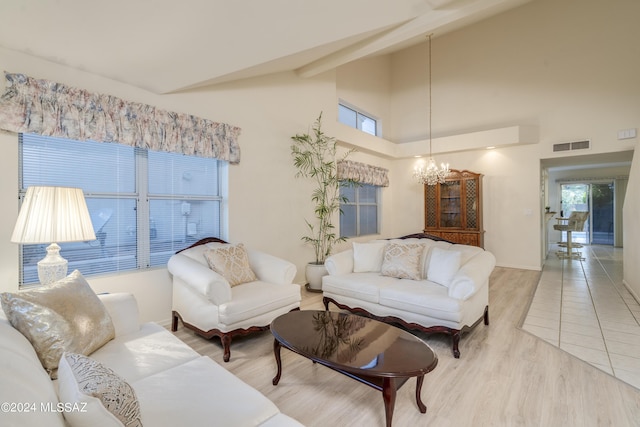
(363, 173)
(48, 108)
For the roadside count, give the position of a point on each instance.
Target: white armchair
(208, 304)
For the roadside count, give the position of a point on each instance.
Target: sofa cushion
(253, 299)
(232, 262)
(199, 277)
(402, 261)
(270, 268)
(443, 265)
(197, 252)
(467, 252)
(340, 263)
(100, 395)
(362, 286)
(23, 380)
(201, 392)
(123, 309)
(422, 297)
(145, 352)
(63, 316)
(367, 257)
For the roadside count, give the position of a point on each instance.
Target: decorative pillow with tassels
(402, 261)
(232, 262)
(65, 315)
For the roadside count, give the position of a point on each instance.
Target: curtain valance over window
(363, 173)
(48, 108)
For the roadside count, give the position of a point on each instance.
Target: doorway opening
(598, 199)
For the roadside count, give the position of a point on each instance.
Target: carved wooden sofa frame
(225, 337)
(454, 333)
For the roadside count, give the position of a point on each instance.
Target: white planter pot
(314, 273)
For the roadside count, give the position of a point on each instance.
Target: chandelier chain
(431, 175)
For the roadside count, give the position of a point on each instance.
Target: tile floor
(583, 308)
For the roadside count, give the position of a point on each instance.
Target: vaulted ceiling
(167, 45)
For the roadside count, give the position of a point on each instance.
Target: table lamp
(51, 215)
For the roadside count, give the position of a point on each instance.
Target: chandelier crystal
(431, 175)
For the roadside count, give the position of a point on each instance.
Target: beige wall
(539, 65)
(367, 83)
(266, 205)
(631, 237)
(542, 65)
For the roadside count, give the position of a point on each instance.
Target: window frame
(142, 205)
(358, 205)
(359, 113)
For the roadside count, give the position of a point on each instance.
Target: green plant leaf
(315, 158)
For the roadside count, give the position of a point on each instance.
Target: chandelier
(431, 174)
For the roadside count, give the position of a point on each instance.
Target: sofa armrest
(123, 309)
(472, 276)
(270, 268)
(200, 278)
(340, 263)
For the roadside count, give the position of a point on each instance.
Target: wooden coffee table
(377, 354)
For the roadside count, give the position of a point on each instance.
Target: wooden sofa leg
(455, 340)
(174, 321)
(226, 346)
(325, 301)
(486, 315)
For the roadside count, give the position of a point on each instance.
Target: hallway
(583, 308)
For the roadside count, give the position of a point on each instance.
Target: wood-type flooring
(504, 377)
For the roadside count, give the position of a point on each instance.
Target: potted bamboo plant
(314, 156)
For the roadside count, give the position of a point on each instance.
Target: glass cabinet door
(450, 203)
(453, 209)
(472, 217)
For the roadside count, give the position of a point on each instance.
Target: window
(360, 214)
(144, 205)
(356, 119)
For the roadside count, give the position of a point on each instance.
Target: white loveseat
(212, 304)
(174, 385)
(429, 285)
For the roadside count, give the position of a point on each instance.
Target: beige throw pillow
(63, 316)
(101, 396)
(402, 261)
(232, 262)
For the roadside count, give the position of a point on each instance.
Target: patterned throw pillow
(63, 316)
(402, 260)
(232, 262)
(100, 396)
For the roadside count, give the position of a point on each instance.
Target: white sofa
(447, 292)
(210, 305)
(175, 386)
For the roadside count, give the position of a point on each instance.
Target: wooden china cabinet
(453, 210)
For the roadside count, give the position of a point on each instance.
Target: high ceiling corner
(166, 46)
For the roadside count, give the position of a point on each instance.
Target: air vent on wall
(570, 146)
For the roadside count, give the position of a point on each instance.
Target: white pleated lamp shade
(50, 215)
(53, 214)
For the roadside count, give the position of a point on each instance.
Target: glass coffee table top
(374, 353)
(354, 344)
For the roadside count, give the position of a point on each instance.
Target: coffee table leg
(276, 352)
(389, 396)
(421, 406)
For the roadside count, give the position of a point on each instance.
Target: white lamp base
(52, 267)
